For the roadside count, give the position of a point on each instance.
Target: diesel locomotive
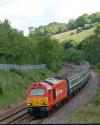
(46, 95)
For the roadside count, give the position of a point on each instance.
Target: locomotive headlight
(29, 104)
(45, 103)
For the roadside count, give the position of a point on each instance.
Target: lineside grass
(13, 84)
(91, 115)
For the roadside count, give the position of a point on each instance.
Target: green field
(13, 84)
(76, 36)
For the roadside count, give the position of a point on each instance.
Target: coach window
(83, 75)
(73, 82)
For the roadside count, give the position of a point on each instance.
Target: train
(48, 94)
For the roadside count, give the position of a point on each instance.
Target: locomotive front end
(37, 98)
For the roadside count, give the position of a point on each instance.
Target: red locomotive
(45, 95)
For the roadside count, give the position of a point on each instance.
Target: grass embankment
(13, 84)
(89, 114)
(76, 36)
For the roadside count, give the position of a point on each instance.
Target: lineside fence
(21, 67)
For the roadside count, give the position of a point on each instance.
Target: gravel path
(81, 100)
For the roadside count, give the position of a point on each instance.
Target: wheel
(29, 111)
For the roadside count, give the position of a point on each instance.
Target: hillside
(57, 27)
(76, 36)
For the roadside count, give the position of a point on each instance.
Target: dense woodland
(15, 48)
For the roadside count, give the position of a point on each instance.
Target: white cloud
(68, 9)
(26, 13)
(22, 8)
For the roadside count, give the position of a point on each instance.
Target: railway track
(59, 108)
(13, 114)
(20, 115)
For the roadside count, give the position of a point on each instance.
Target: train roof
(66, 74)
(41, 83)
(51, 81)
(74, 72)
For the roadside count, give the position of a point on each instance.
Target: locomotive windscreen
(36, 91)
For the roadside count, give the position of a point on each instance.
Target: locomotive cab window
(36, 91)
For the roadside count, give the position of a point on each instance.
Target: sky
(25, 13)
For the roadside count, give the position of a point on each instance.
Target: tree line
(84, 21)
(15, 48)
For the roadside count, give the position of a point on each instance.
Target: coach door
(54, 94)
(50, 95)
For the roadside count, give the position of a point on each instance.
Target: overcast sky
(25, 13)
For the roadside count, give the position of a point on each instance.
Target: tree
(73, 55)
(71, 24)
(91, 46)
(67, 44)
(4, 40)
(31, 30)
(51, 28)
(82, 20)
(49, 51)
(40, 30)
(95, 17)
(97, 30)
(14, 46)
